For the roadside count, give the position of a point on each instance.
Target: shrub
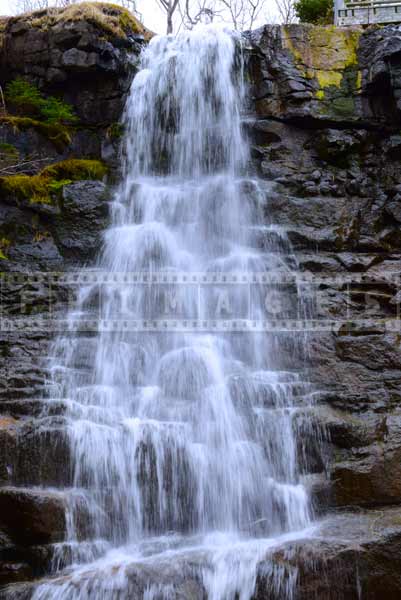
(28, 100)
(318, 12)
(56, 111)
(24, 96)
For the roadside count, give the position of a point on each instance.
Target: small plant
(24, 96)
(28, 100)
(318, 12)
(56, 111)
(115, 131)
(56, 186)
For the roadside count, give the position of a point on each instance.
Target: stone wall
(326, 135)
(90, 67)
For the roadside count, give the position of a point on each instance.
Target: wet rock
(335, 146)
(84, 217)
(32, 517)
(348, 556)
(43, 453)
(8, 443)
(374, 352)
(11, 572)
(352, 556)
(371, 475)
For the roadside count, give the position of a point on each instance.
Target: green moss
(128, 23)
(48, 184)
(58, 133)
(76, 169)
(56, 186)
(35, 187)
(115, 131)
(4, 245)
(8, 150)
(344, 106)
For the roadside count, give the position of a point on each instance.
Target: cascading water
(182, 443)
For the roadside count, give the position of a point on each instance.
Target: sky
(153, 16)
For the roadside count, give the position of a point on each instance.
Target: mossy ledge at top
(46, 186)
(114, 20)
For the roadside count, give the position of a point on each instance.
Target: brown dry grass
(112, 19)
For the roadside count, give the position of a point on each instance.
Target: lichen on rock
(327, 55)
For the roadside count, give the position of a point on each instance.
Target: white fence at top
(367, 12)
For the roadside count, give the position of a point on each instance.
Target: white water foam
(182, 432)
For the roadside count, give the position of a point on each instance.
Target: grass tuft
(112, 19)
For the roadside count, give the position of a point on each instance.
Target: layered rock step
(346, 556)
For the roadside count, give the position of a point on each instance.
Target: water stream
(184, 447)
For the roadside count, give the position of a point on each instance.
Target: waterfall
(183, 441)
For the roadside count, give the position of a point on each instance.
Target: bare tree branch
(243, 13)
(169, 6)
(286, 11)
(198, 11)
(22, 166)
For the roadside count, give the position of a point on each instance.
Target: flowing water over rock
(186, 448)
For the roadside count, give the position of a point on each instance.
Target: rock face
(325, 124)
(326, 136)
(76, 53)
(86, 61)
(84, 56)
(328, 75)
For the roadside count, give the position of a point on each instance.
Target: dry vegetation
(112, 19)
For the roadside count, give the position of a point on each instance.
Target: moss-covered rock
(46, 185)
(327, 73)
(328, 56)
(113, 20)
(76, 169)
(58, 133)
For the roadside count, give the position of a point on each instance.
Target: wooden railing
(371, 3)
